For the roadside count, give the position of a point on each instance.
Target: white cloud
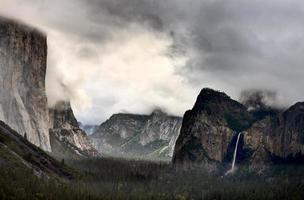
(129, 71)
(136, 75)
(109, 56)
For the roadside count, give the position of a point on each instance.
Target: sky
(110, 56)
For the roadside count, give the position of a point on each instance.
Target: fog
(109, 56)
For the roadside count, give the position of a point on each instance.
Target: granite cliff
(277, 139)
(210, 128)
(209, 132)
(23, 101)
(66, 137)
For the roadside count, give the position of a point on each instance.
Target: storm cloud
(110, 56)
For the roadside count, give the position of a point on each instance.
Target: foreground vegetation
(109, 178)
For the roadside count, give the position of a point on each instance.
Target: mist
(109, 56)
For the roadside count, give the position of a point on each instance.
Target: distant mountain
(142, 136)
(89, 129)
(210, 131)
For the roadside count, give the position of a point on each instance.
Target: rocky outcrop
(268, 136)
(280, 137)
(66, 137)
(129, 135)
(23, 102)
(209, 129)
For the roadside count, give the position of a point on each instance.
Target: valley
(112, 178)
(221, 148)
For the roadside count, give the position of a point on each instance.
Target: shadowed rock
(209, 132)
(209, 128)
(281, 136)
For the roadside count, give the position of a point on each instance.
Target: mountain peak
(62, 105)
(158, 111)
(298, 106)
(62, 113)
(216, 102)
(208, 94)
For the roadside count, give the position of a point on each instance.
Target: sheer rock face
(146, 136)
(209, 128)
(66, 137)
(23, 102)
(281, 136)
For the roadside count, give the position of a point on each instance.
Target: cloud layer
(112, 56)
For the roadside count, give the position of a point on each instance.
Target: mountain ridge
(27, 155)
(137, 135)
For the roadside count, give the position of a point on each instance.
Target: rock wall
(280, 137)
(209, 131)
(209, 128)
(66, 137)
(23, 102)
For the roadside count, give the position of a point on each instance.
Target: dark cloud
(123, 12)
(255, 99)
(230, 45)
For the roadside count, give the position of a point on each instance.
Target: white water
(234, 155)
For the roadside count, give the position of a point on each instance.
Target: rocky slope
(23, 102)
(210, 129)
(17, 153)
(129, 135)
(66, 137)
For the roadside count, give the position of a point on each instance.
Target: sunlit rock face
(129, 135)
(279, 138)
(67, 138)
(23, 102)
(209, 128)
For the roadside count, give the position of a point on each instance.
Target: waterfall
(234, 155)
